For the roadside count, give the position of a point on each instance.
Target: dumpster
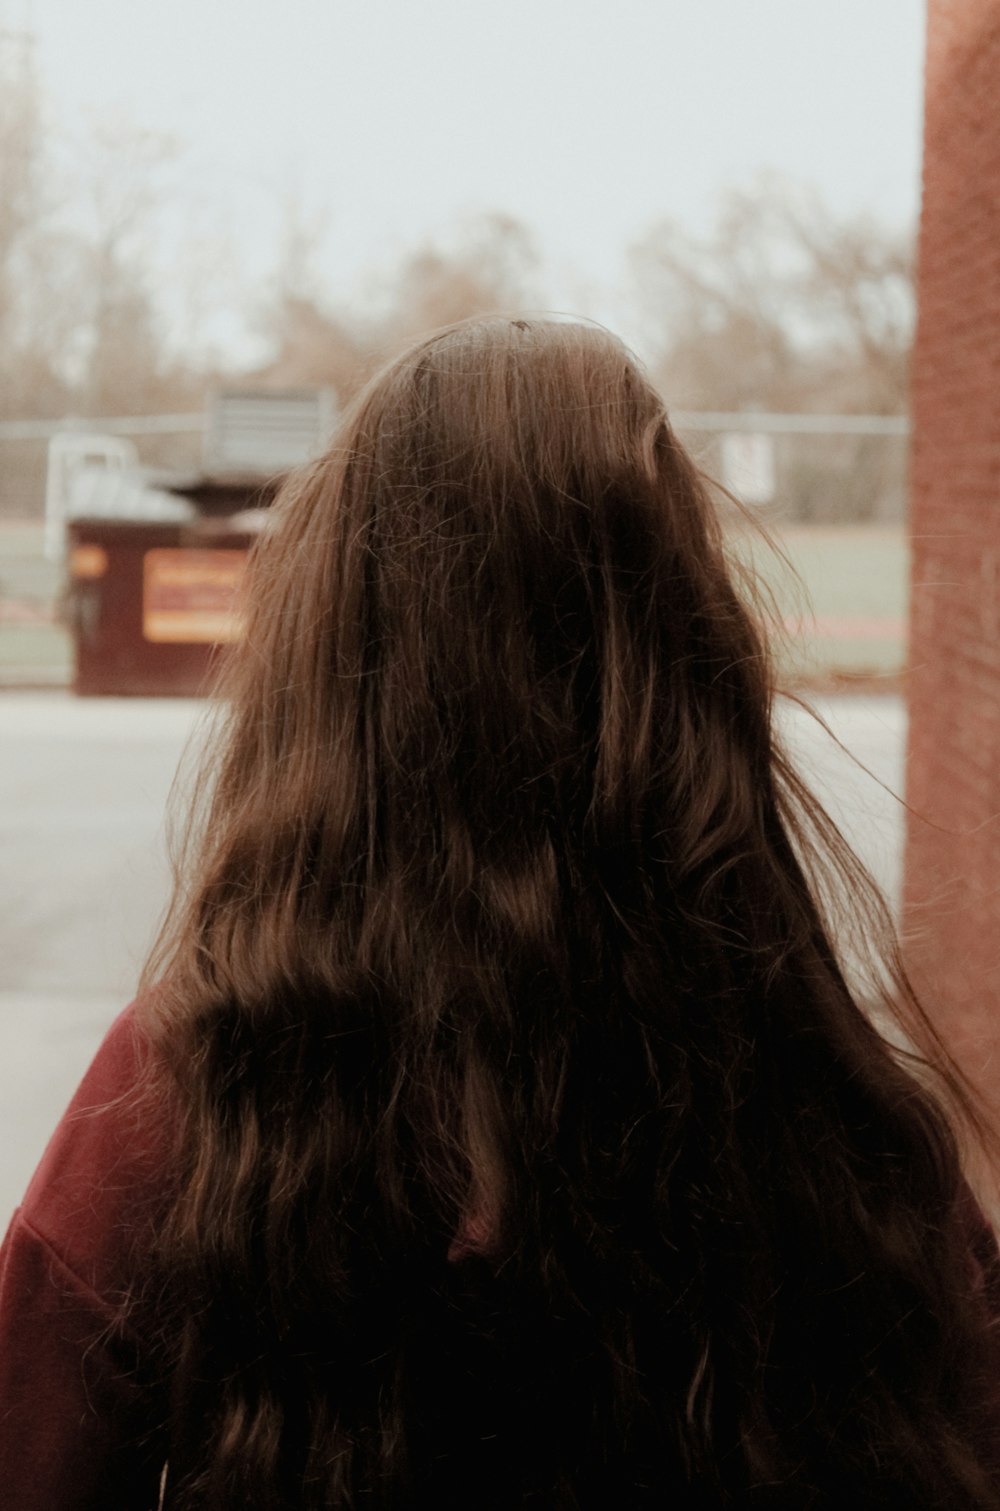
(151, 604)
(154, 561)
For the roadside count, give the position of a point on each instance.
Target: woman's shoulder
(105, 1173)
(78, 1415)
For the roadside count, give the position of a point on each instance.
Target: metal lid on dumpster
(157, 554)
(101, 492)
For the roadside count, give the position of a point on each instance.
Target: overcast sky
(587, 119)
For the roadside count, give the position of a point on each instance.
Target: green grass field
(842, 592)
(36, 648)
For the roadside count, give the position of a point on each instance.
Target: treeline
(107, 282)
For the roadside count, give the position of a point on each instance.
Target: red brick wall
(952, 889)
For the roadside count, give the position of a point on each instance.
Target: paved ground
(83, 786)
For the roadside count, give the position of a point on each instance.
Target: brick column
(952, 879)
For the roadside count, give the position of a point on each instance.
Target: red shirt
(74, 1422)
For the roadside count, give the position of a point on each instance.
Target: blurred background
(218, 216)
(208, 195)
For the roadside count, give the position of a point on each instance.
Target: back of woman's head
(535, 1149)
(495, 622)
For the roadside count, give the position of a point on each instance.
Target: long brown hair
(535, 1149)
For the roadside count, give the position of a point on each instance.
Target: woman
(499, 1125)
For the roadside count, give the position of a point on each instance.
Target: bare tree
(121, 200)
(492, 267)
(783, 305)
(20, 200)
(312, 342)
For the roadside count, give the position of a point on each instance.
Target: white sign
(748, 466)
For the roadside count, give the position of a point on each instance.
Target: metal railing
(683, 419)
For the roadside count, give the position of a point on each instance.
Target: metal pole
(684, 419)
(147, 424)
